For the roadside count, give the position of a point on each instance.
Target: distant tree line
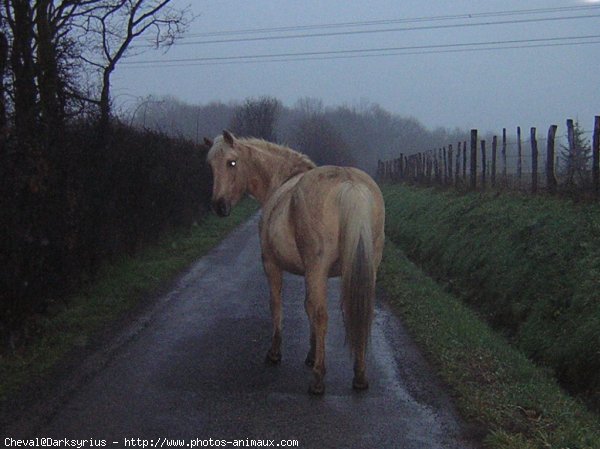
(341, 135)
(76, 186)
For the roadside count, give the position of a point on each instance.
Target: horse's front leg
(316, 307)
(275, 277)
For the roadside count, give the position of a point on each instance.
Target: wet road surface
(193, 367)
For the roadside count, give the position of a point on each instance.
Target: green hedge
(68, 207)
(530, 265)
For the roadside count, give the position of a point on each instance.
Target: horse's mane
(289, 162)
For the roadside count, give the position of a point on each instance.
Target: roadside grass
(529, 265)
(494, 385)
(116, 289)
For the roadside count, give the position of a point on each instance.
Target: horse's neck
(269, 172)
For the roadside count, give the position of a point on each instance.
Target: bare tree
(3, 66)
(257, 118)
(109, 30)
(321, 141)
(48, 33)
(41, 56)
(19, 17)
(310, 106)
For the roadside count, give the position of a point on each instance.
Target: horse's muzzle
(221, 207)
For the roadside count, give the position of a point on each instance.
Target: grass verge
(118, 288)
(519, 404)
(529, 265)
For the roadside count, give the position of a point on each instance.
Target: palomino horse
(316, 222)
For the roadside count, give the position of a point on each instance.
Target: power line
(384, 51)
(325, 58)
(388, 30)
(395, 21)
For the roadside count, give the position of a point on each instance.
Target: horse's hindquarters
(277, 233)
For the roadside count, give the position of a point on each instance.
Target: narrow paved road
(193, 367)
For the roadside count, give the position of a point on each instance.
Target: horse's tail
(357, 263)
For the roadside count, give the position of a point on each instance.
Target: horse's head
(229, 174)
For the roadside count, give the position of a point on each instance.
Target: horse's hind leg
(316, 306)
(360, 381)
(275, 277)
(310, 357)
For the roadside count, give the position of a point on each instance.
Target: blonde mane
(286, 156)
(274, 163)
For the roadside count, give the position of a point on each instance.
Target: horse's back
(328, 178)
(303, 221)
(321, 189)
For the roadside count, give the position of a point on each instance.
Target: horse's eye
(231, 163)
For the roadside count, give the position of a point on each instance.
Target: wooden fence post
(473, 159)
(504, 168)
(401, 166)
(431, 168)
(450, 172)
(519, 156)
(445, 165)
(442, 167)
(417, 168)
(571, 136)
(464, 167)
(550, 178)
(534, 161)
(571, 160)
(596, 157)
(483, 164)
(494, 150)
(427, 169)
(457, 172)
(436, 167)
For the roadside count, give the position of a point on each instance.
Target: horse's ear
(208, 142)
(228, 137)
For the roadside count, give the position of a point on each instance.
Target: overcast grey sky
(430, 75)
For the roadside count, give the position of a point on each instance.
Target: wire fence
(526, 163)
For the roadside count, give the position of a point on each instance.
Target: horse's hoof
(316, 388)
(273, 357)
(360, 384)
(309, 361)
